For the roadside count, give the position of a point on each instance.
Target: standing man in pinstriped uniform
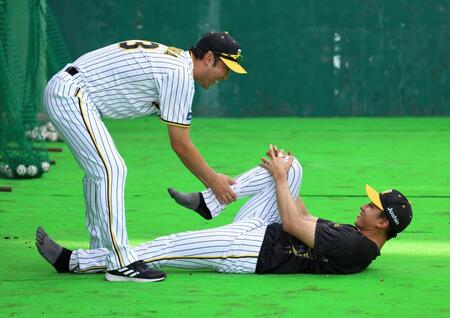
(272, 233)
(126, 80)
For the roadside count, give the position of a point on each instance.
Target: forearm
(301, 208)
(286, 206)
(193, 160)
(293, 221)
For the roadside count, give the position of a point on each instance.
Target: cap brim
(234, 66)
(374, 196)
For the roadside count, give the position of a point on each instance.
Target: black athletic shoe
(135, 272)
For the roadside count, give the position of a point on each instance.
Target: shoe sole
(115, 278)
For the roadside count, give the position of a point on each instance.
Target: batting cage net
(24, 128)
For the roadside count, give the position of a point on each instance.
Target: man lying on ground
(273, 232)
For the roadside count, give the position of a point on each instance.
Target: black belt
(71, 70)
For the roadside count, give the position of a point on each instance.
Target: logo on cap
(396, 206)
(394, 217)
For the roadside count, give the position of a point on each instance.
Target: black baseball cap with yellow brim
(223, 46)
(395, 205)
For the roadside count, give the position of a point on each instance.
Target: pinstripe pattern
(233, 248)
(258, 183)
(108, 177)
(116, 82)
(105, 171)
(95, 238)
(125, 83)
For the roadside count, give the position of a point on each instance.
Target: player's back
(125, 79)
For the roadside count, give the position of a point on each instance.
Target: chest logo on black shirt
(298, 249)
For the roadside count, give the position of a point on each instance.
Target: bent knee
(296, 168)
(295, 174)
(104, 170)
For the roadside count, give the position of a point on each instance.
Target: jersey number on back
(133, 44)
(128, 45)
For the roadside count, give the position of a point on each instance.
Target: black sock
(203, 209)
(62, 263)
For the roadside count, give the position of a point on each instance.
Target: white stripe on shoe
(116, 278)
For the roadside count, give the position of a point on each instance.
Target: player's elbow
(294, 227)
(302, 230)
(287, 227)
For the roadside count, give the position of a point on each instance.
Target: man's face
(212, 74)
(368, 216)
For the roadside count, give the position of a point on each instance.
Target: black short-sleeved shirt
(338, 249)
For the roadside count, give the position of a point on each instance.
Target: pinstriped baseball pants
(232, 248)
(79, 122)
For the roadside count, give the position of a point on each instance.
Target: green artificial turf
(410, 279)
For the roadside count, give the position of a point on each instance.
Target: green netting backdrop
(28, 56)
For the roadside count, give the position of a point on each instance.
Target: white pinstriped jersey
(137, 78)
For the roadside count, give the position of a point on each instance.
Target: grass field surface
(411, 278)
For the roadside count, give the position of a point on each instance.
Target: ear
(208, 58)
(382, 223)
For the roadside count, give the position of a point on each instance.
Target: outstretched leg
(63, 261)
(232, 248)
